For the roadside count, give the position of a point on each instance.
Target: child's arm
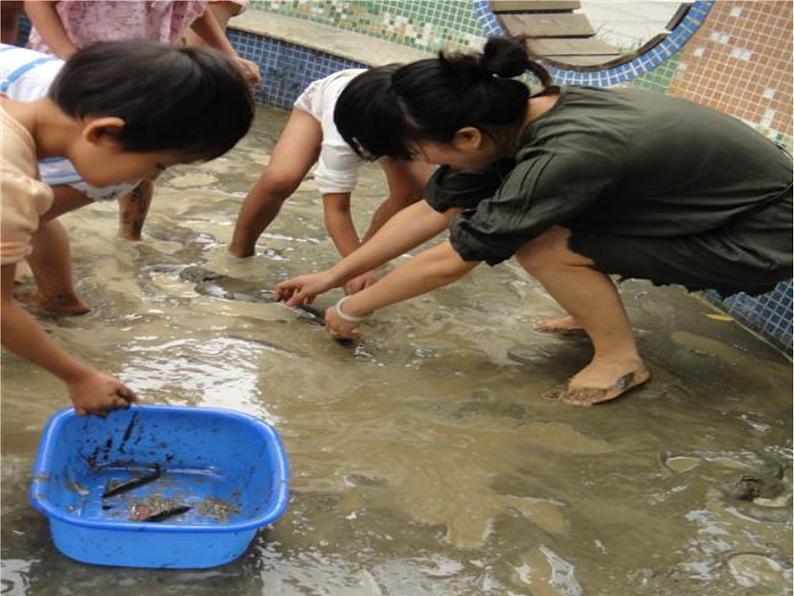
(339, 222)
(209, 30)
(91, 391)
(407, 229)
(340, 226)
(48, 23)
(406, 181)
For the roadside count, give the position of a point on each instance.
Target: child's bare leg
(294, 154)
(592, 300)
(133, 208)
(51, 265)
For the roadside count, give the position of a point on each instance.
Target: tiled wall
(286, 68)
(739, 62)
(423, 24)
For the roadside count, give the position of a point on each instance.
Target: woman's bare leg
(593, 301)
(296, 151)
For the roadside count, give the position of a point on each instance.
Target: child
(310, 136)
(62, 27)
(576, 183)
(26, 75)
(119, 111)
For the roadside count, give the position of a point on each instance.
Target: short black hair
(369, 115)
(192, 100)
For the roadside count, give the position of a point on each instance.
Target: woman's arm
(431, 269)
(48, 23)
(406, 230)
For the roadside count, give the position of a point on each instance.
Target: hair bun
(504, 57)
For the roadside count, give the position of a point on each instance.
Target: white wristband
(344, 316)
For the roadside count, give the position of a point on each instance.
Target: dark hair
(367, 104)
(432, 99)
(170, 98)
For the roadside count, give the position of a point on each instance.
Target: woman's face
(470, 149)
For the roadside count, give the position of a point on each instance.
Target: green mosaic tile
(659, 78)
(423, 24)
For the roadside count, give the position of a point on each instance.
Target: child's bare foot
(63, 304)
(131, 233)
(566, 326)
(601, 381)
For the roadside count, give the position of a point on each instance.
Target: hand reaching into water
(359, 283)
(338, 327)
(97, 393)
(304, 288)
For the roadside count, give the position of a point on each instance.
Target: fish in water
(113, 489)
(167, 513)
(216, 285)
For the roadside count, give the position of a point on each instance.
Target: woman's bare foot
(63, 304)
(601, 381)
(566, 326)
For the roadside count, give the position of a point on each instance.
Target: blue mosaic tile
(287, 69)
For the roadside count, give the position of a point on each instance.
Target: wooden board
(571, 47)
(582, 61)
(534, 5)
(679, 15)
(550, 24)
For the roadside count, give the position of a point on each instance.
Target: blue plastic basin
(229, 468)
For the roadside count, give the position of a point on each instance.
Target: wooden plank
(579, 61)
(534, 5)
(571, 47)
(650, 44)
(679, 15)
(550, 24)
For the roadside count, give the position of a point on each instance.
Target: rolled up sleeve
(545, 191)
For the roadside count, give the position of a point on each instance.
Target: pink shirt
(88, 22)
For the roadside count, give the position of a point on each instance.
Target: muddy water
(423, 461)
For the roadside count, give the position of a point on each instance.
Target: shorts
(58, 171)
(750, 254)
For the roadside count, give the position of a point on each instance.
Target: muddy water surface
(423, 460)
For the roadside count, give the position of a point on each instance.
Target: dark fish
(165, 514)
(112, 488)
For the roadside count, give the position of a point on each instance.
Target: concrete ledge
(337, 42)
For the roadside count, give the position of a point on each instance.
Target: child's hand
(338, 327)
(304, 288)
(249, 69)
(96, 393)
(359, 283)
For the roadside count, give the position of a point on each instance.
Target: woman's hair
(171, 99)
(385, 113)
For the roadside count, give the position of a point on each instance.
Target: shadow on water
(423, 460)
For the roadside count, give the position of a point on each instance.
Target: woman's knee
(548, 249)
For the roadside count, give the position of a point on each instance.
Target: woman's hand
(97, 393)
(359, 283)
(304, 288)
(338, 327)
